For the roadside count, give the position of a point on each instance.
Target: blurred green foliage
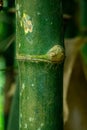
(2, 82)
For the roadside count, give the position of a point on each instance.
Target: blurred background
(7, 59)
(75, 67)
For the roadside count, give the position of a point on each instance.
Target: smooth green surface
(40, 96)
(45, 20)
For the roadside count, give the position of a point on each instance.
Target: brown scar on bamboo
(55, 55)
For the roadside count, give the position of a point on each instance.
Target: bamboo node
(54, 55)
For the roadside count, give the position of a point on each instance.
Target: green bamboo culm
(39, 30)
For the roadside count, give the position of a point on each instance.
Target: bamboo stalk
(39, 27)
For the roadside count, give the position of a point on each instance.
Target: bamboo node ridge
(54, 55)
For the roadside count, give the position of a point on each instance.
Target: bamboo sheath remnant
(54, 55)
